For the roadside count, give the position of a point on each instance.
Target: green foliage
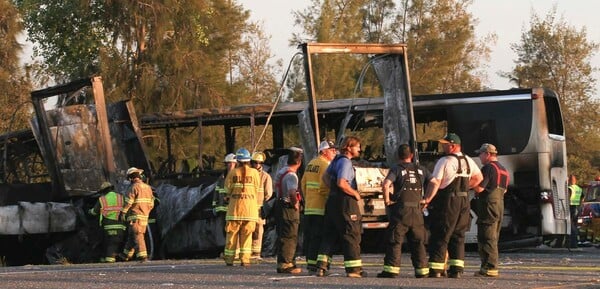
(14, 84)
(444, 54)
(553, 54)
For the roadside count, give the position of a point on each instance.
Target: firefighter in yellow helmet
(264, 193)
(107, 207)
(139, 201)
(242, 185)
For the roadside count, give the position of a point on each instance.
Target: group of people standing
(332, 217)
(124, 219)
(327, 195)
(443, 194)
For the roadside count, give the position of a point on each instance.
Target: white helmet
(230, 158)
(134, 170)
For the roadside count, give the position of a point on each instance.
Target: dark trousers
(450, 221)
(288, 220)
(490, 210)
(313, 234)
(113, 241)
(409, 222)
(342, 223)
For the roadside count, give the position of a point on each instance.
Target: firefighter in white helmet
(139, 201)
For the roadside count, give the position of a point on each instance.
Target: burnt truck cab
(588, 221)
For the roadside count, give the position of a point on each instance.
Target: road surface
(529, 268)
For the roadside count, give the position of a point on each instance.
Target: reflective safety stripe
(421, 271)
(137, 217)
(114, 227)
(227, 252)
(313, 185)
(110, 259)
(352, 263)
(314, 211)
(456, 262)
(110, 206)
(144, 200)
(236, 218)
(311, 262)
(490, 272)
(245, 250)
(142, 254)
(391, 269)
(221, 209)
(436, 266)
(323, 258)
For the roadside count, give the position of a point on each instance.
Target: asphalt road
(529, 268)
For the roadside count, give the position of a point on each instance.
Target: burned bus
(527, 128)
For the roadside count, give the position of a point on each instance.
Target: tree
(444, 54)
(14, 85)
(170, 55)
(553, 54)
(255, 75)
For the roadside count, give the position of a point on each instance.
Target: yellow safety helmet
(105, 185)
(258, 157)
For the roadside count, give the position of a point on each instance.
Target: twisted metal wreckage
(51, 173)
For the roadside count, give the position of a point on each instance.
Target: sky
(506, 18)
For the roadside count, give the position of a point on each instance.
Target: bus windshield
(506, 124)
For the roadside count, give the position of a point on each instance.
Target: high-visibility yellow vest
(576, 192)
(315, 191)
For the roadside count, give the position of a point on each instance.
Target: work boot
(290, 270)
(456, 275)
(122, 257)
(322, 273)
(433, 274)
(385, 274)
(484, 274)
(359, 274)
(142, 259)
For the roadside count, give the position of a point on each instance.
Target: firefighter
(342, 213)
(287, 213)
(448, 198)
(264, 193)
(107, 207)
(139, 201)
(406, 215)
(489, 202)
(220, 200)
(242, 184)
(315, 195)
(575, 201)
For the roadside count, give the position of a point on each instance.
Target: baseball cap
(450, 138)
(487, 147)
(326, 144)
